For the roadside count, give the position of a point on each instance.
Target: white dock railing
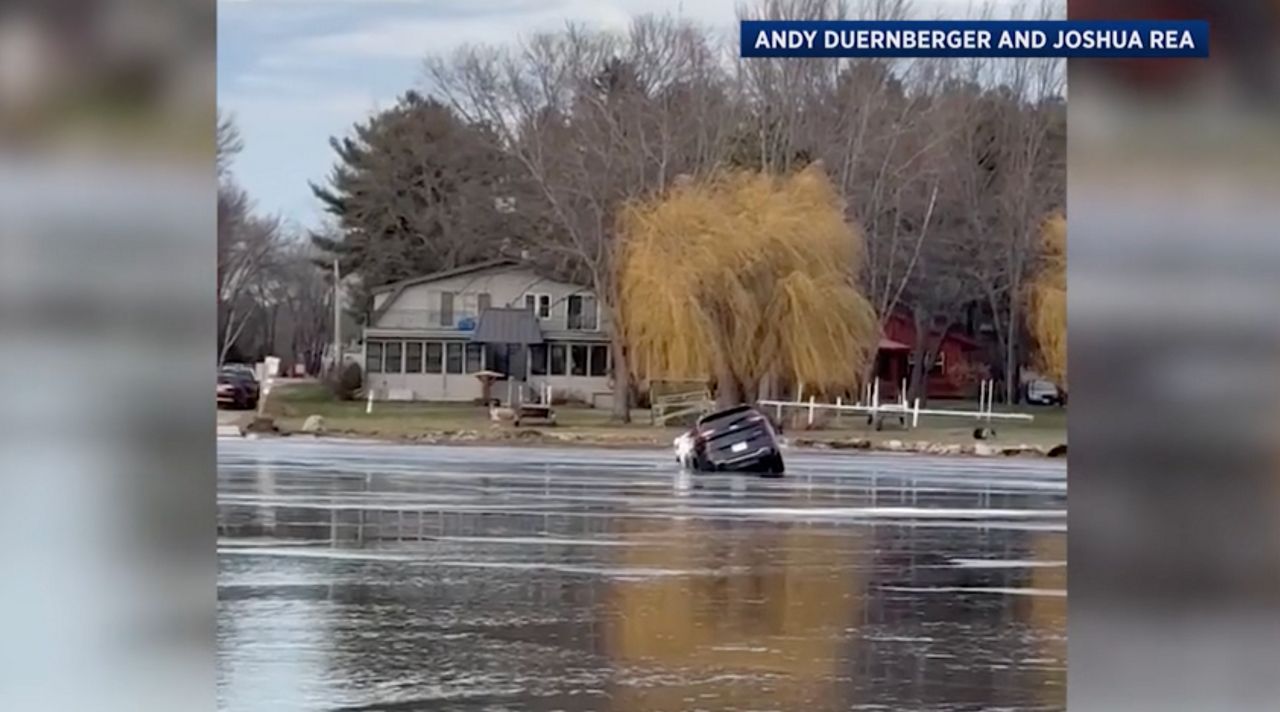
(872, 406)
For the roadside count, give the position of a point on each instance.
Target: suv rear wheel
(773, 466)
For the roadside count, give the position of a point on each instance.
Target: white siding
(458, 387)
(461, 387)
(414, 315)
(419, 306)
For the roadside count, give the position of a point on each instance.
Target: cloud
(327, 2)
(447, 27)
(295, 99)
(436, 7)
(286, 132)
(273, 82)
(401, 38)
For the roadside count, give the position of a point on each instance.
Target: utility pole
(337, 320)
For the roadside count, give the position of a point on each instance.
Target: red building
(952, 373)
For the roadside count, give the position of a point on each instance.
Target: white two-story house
(429, 336)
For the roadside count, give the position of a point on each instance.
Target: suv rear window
(728, 413)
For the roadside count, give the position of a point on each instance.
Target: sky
(293, 73)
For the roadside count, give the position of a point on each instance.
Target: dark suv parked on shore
(237, 388)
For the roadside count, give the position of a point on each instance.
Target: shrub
(345, 383)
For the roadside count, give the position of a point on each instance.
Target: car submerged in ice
(738, 439)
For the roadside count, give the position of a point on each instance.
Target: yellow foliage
(751, 271)
(1047, 303)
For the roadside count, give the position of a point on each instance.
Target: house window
(539, 303)
(583, 313)
(453, 357)
(578, 359)
(373, 357)
(475, 358)
(558, 360)
(599, 360)
(939, 364)
(446, 309)
(393, 350)
(435, 357)
(538, 360)
(413, 357)
(484, 301)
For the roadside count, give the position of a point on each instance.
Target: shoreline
(535, 438)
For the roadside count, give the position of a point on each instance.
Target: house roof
(507, 326)
(961, 339)
(951, 335)
(445, 274)
(891, 345)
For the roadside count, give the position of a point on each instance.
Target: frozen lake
(386, 577)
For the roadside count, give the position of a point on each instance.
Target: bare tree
(937, 294)
(1031, 136)
(247, 248)
(888, 140)
(228, 144)
(297, 306)
(880, 128)
(1010, 173)
(595, 119)
(779, 129)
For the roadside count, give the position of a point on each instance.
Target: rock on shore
(624, 438)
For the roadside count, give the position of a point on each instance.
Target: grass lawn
(1049, 428)
(290, 406)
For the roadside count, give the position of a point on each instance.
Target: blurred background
(106, 326)
(107, 187)
(1174, 200)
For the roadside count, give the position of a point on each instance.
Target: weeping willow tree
(1047, 303)
(746, 280)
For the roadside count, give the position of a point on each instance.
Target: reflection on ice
(683, 480)
(1006, 563)
(1007, 591)
(470, 580)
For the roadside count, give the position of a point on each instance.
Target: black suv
(237, 388)
(738, 439)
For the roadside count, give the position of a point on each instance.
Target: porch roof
(891, 345)
(507, 326)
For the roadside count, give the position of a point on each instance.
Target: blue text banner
(975, 38)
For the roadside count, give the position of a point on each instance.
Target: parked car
(246, 369)
(738, 439)
(237, 388)
(1043, 392)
